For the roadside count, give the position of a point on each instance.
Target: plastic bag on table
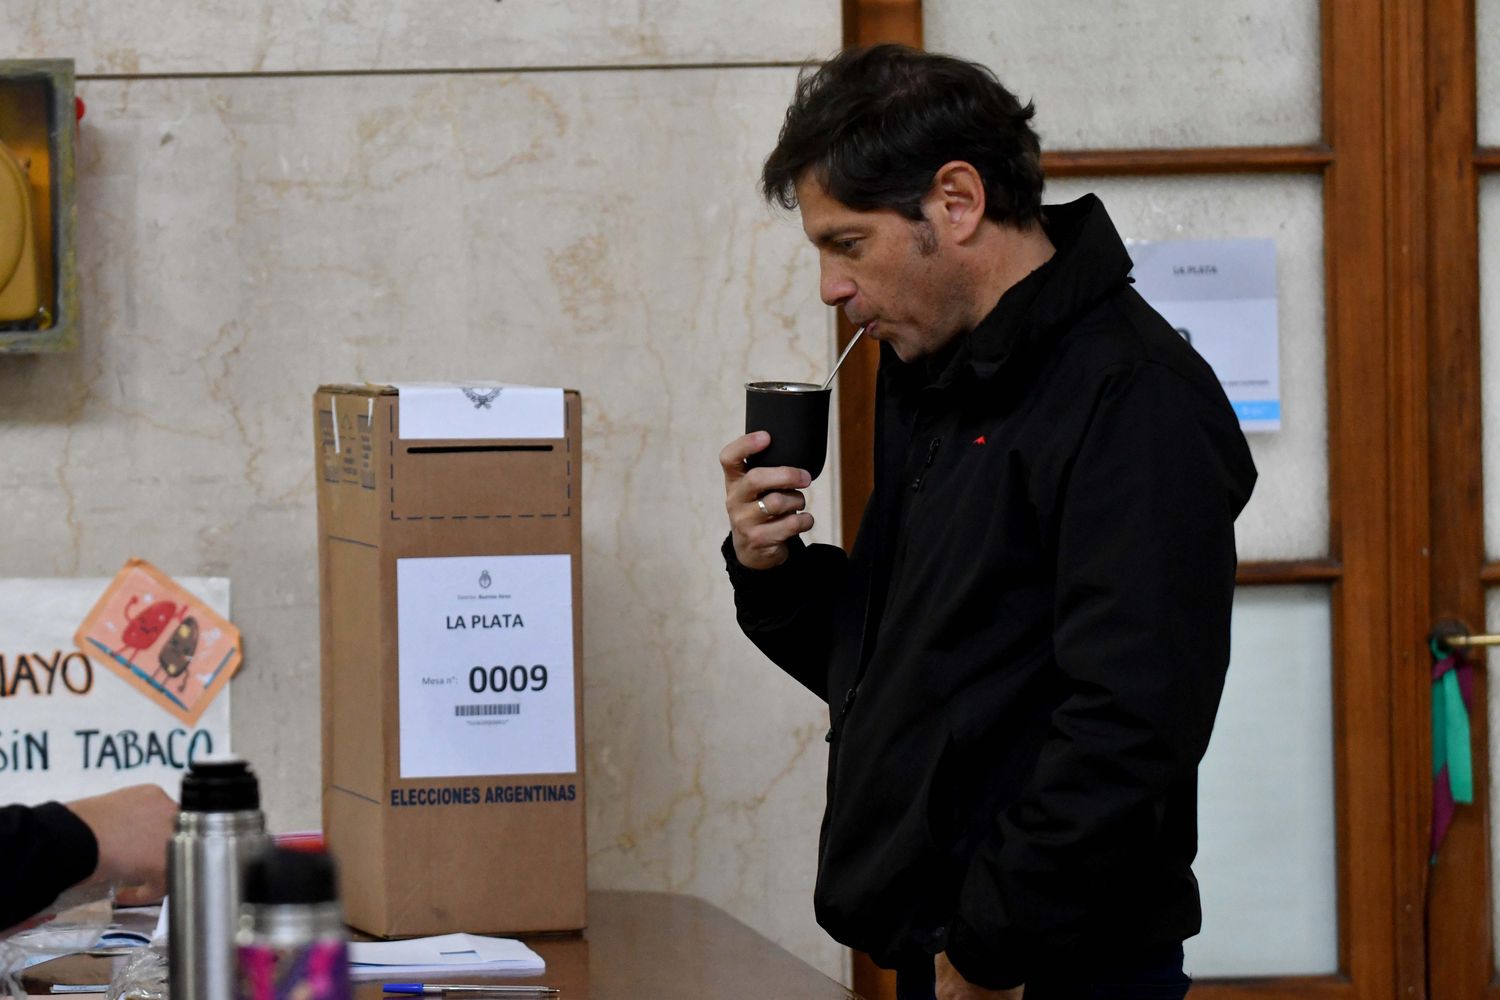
(74, 923)
(12, 961)
(142, 977)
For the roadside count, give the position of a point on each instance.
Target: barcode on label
(465, 711)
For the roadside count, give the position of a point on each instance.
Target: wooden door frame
(1460, 910)
(1374, 121)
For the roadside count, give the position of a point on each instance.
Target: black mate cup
(795, 414)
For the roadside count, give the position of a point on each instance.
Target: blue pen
(422, 989)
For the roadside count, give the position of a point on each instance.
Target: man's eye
(846, 246)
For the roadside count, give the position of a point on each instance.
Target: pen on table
(441, 989)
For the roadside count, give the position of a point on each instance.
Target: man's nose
(835, 287)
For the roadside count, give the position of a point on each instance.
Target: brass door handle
(1450, 635)
(1470, 641)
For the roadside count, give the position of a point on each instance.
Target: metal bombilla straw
(849, 347)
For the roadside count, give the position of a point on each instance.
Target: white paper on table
(442, 954)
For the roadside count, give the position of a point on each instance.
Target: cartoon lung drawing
(177, 652)
(143, 628)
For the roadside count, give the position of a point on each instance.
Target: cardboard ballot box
(449, 543)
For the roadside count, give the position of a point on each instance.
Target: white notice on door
(1221, 297)
(486, 669)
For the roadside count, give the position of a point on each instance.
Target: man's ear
(955, 204)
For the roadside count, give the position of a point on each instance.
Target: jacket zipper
(838, 721)
(853, 692)
(849, 697)
(898, 560)
(932, 450)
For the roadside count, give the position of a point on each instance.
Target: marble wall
(557, 193)
(300, 36)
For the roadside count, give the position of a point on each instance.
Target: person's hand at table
(953, 986)
(132, 826)
(765, 506)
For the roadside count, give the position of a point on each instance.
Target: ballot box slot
(465, 449)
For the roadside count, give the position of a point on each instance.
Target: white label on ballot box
(480, 410)
(486, 668)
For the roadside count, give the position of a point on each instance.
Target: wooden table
(660, 946)
(638, 946)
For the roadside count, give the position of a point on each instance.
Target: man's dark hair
(875, 124)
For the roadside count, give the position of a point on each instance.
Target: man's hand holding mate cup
(765, 506)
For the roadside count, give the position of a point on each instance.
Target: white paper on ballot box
(1221, 297)
(70, 727)
(486, 665)
(478, 410)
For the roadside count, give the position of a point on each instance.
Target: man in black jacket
(1024, 651)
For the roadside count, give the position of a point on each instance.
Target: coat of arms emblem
(481, 398)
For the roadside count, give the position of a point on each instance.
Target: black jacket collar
(1090, 263)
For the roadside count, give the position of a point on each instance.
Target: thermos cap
(281, 875)
(220, 784)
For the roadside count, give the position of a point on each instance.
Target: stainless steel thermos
(292, 942)
(219, 829)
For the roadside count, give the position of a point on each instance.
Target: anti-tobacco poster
(71, 727)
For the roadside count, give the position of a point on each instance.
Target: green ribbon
(1450, 737)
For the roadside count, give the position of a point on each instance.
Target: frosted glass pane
(1489, 355)
(1287, 517)
(1120, 73)
(1492, 616)
(1267, 852)
(1487, 13)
